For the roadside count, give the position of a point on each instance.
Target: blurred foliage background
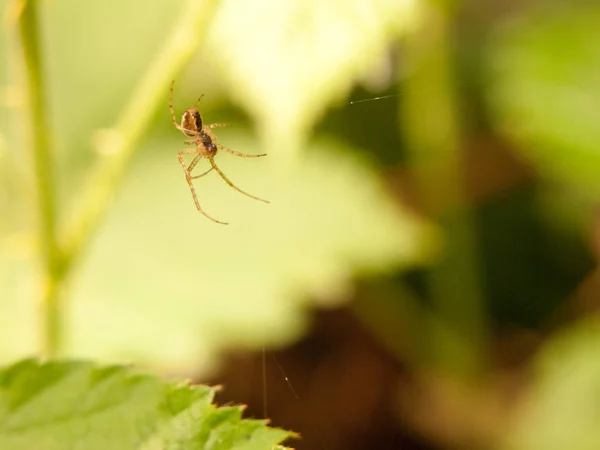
(425, 275)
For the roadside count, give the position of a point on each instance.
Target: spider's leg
(242, 155)
(171, 105)
(202, 174)
(228, 181)
(198, 101)
(217, 125)
(188, 178)
(173, 118)
(193, 164)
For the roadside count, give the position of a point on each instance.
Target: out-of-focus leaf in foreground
(546, 89)
(172, 286)
(563, 409)
(285, 60)
(63, 405)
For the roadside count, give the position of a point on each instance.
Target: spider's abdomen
(191, 121)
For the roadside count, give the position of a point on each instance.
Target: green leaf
(545, 75)
(60, 405)
(563, 408)
(286, 60)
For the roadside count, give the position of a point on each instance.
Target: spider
(205, 146)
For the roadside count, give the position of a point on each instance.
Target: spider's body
(191, 122)
(205, 146)
(207, 142)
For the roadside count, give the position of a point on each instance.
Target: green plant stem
(117, 149)
(120, 143)
(43, 177)
(430, 115)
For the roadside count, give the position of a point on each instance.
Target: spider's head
(192, 121)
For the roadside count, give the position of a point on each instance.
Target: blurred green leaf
(174, 287)
(285, 60)
(63, 405)
(93, 64)
(563, 408)
(546, 89)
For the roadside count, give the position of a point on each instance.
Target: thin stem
(130, 127)
(264, 380)
(44, 185)
(121, 144)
